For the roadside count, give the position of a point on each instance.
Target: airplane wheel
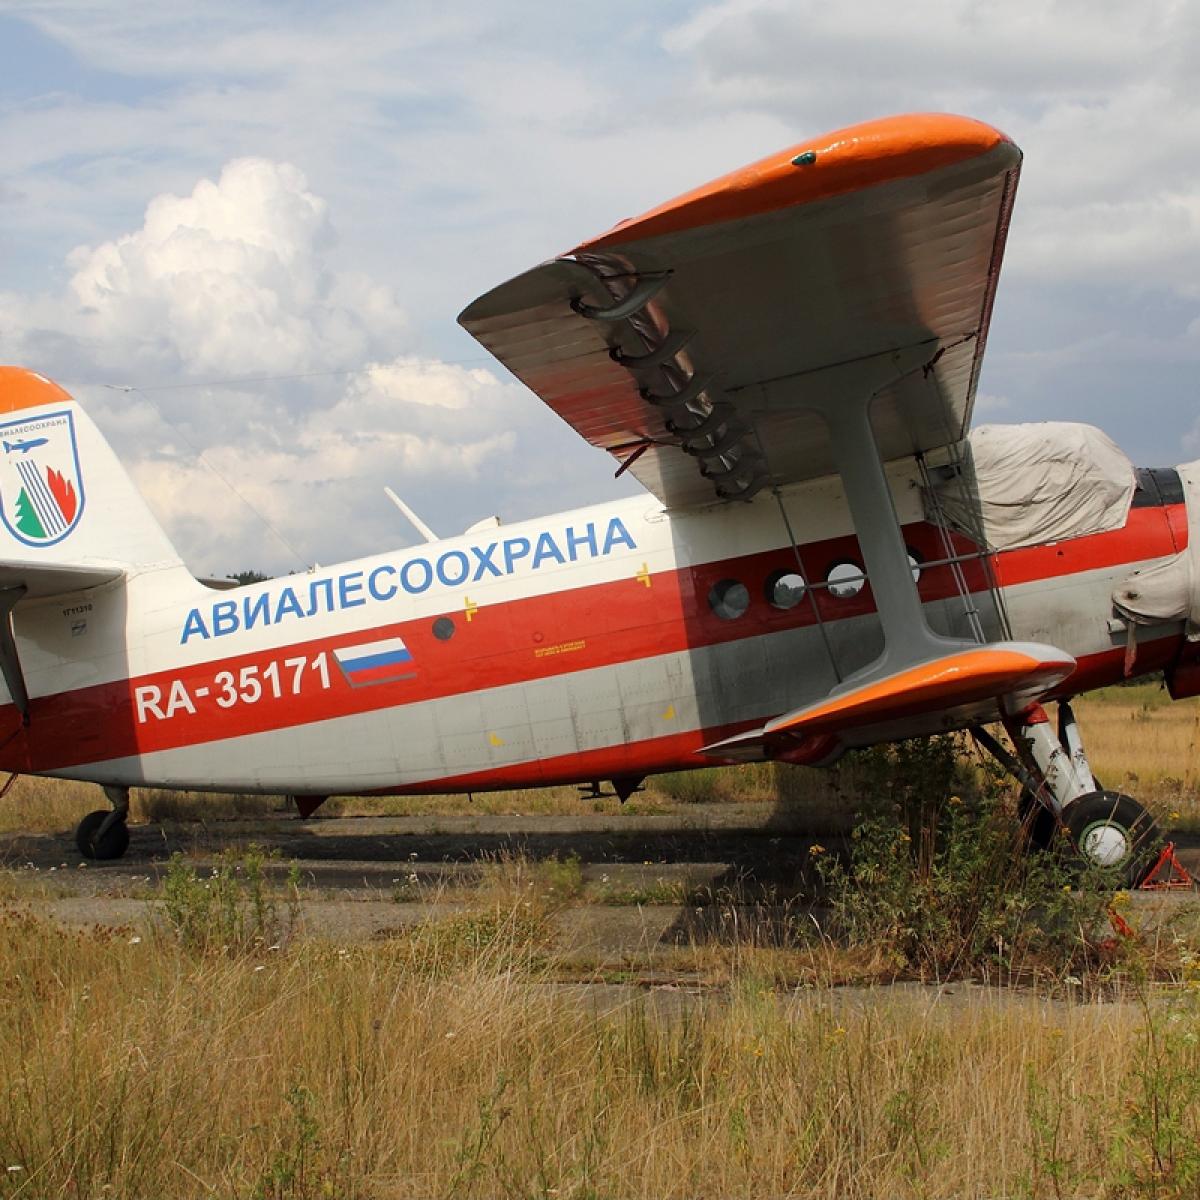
(1114, 831)
(113, 843)
(1037, 820)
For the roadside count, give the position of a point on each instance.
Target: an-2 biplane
(787, 359)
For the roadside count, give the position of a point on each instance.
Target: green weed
(230, 909)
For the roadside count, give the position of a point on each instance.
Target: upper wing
(864, 259)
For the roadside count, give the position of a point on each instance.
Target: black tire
(112, 844)
(1112, 830)
(1039, 823)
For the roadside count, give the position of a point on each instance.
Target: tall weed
(229, 909)
(940, 875)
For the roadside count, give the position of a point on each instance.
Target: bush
(939, 872)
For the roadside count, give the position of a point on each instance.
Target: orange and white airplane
(786, 358)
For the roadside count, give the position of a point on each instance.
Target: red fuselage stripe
(531, 638)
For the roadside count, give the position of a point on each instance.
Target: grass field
(1137, 739)
(216, 1053)
(449, 1062)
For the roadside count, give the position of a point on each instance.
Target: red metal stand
(1177, 874)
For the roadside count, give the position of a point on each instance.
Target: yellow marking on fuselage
(470, 608)
(669, 715)
(495, 740)
(561, 648)
(643, 576)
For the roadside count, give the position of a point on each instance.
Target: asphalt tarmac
(649, 883)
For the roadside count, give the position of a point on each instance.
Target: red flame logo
(63, 491)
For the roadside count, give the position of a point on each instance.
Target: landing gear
(103, 835)
(1114, 831)
(1061, 795)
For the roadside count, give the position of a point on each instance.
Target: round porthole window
(845, 580)
(785, 589)
(443, 629)
(729, 599)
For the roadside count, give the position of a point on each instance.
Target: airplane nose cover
(1169, 590)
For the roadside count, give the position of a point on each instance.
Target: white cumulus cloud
(309, 485)
(231, 278)
(235, 278)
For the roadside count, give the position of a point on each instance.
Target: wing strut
(10, 664)
(809, 595)
(908, 640)
(919, 673)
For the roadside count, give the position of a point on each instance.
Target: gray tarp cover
(1169, 590)
(1041, 482)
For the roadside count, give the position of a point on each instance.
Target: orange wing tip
(21, 388)
(847, 160)
(962, 678)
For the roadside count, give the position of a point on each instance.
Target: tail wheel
(110, 844)
(1113, 831)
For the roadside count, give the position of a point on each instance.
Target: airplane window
(785, 589)
(845, 580)
(729, 599)
(443, 629)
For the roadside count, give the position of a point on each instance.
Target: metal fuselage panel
(574, 647)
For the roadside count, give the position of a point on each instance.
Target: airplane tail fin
(65, 500)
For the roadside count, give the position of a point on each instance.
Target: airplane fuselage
(608, 642)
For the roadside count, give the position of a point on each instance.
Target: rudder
(64, 496)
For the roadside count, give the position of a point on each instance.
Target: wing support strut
(908, 640)
(842, 396)
(10, 663)
(921, 681)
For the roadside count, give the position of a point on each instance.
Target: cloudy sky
(240, 232)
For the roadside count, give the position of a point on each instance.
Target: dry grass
(1141, 742)
(203, 1057)
(447, 1063)
(37, 804)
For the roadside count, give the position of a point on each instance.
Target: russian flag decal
(375, 662)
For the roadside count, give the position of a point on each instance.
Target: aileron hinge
(646, 288)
